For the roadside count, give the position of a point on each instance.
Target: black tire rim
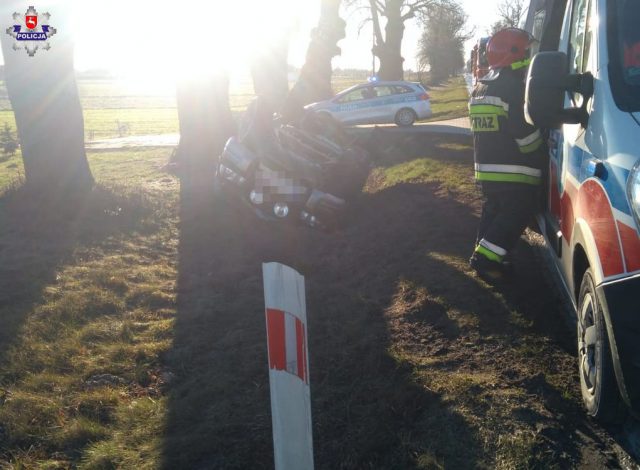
(587, 339)
(405, 117)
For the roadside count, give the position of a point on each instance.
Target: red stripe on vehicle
(631, 246)
(554, 193)
(594, 207)
(567, 220)
(276, 339)
(301, 350)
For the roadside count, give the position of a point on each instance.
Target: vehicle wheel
(406, 117)
(597, 377)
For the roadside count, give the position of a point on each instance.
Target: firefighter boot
(491, 271)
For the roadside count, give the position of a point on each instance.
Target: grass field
(449, 100)
(133, 329)
(115, 109)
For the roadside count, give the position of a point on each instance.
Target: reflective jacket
(508, 152)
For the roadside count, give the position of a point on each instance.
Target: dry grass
(133, 331)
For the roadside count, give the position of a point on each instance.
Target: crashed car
(304, 173)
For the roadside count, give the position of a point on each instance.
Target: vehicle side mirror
(547, 81)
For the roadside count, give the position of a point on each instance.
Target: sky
(356, 48)
(140, 37)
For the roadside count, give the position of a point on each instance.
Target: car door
(383, 110)
(353, 106)
(568, 150)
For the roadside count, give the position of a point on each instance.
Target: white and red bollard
(286, 317)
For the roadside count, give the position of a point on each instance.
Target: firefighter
(508, 153)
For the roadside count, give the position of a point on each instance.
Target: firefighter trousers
(505, 215)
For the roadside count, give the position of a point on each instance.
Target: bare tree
(510, 13)
(314, 83)
(205, 125)
(202, 98)
(269, 70)
(388, 42)
(44, 96)
(443, 38)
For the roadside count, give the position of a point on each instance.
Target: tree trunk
(44, 96)
(390, 52)
(269, 70)
(205, 125)
(314, 83)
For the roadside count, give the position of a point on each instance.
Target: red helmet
(509, 48)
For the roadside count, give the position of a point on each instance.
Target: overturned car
(305, 172)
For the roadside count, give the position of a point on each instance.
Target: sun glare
(158, 42)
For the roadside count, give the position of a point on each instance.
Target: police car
(378, 103)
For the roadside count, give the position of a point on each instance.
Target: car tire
(595, 364)
(405, 117)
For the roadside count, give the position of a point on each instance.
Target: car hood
(636, 117)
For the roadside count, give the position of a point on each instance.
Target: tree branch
(376, 22)
(363, 23)
(381, 7)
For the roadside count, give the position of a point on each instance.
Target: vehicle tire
(405, 117)
(595, 364)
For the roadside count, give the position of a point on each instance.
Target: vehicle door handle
(595, 168)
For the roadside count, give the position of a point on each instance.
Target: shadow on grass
(366, 407)
(38, 236)
(389, 291)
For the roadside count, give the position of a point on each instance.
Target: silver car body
(376, 102)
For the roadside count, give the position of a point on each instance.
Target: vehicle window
(588, 40)
(400, 89)
(580, 41)
(355, 95)
(482, 53)
(383, 90)
(624, 53)
(630, 41)
(538, 27)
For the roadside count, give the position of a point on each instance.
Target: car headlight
(256, 197)
(281, 210)
(230, 175)
(633, 191)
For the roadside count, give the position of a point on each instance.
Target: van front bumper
(621, 307)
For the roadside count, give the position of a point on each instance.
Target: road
(459, 126)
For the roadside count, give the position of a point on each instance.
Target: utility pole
(373, 55)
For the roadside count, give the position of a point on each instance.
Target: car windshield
(624, 46)
(482, 51)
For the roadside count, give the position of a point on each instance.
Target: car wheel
(597, 378)
(405, 117)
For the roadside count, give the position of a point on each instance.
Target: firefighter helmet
(509, 47)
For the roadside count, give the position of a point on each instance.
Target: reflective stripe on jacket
(507, 150)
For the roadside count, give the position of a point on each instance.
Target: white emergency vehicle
(584, 88)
